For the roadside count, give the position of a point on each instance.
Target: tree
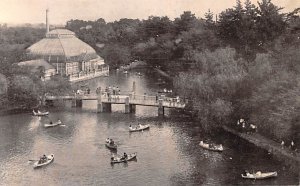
(185, 22)
(24, 90)
(155, 26)
(209, 18)
(125, 31)
(116, 55)
(250, 29)
(212, 84)
(270, 22)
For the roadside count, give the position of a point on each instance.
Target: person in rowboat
(246, 173)
(111, 142)
(125, 155)
(42, 159)
(112, 158)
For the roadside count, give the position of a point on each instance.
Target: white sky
(33, 11)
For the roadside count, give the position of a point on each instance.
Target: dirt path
(270, 145)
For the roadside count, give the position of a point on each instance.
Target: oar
(33, 160)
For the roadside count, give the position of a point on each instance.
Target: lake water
(167, 154)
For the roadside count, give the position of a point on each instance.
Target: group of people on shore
(244, 126)
(290, 145)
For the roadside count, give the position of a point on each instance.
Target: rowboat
(110, 145)
(50, 158)
(138, 128)
(212, 147)
(122, 159)
(259, 175)
(38, 113)
(53, 124)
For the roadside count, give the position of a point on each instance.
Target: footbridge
(104, 101)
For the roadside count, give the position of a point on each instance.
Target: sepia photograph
(149, 92)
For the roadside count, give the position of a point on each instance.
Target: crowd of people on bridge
(114, 90)
(110, 92)
(86, 90)
(172, 101)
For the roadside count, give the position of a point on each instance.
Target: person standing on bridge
(114, 90)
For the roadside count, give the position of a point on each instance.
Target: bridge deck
(121, 99)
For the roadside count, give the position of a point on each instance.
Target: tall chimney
(47, 21)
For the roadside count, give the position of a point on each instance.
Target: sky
(60, 11)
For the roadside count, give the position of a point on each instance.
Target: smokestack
(47, 21)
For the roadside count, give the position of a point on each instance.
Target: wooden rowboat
(53, 124)
(212, 147)
(50, 158)
(38, 113)
(138, 128)
(110, 145)
(259, 175)
(122, 159)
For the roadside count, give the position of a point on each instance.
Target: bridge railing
(114, 98)
(133, 99)
(143, 100)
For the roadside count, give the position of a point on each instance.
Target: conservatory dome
(61, 45)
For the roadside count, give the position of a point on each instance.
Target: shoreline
(14, 110)
(292, 158)
(163, 73)
(134, 65)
